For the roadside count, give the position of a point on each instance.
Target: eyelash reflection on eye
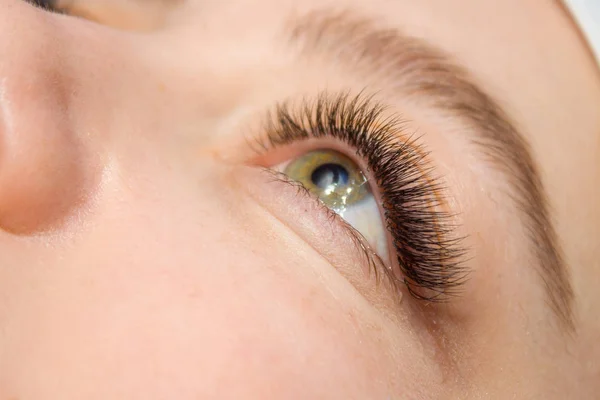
(429, 254)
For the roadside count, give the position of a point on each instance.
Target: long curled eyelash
(429, 253)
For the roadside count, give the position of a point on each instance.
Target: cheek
(165, 316)
(193, 290)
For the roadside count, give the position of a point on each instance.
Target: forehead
(512, 58)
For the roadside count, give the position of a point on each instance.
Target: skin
(143, 256)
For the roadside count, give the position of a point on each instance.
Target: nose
(46, 166)
(71, 92)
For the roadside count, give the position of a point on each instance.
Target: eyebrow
(420, 69)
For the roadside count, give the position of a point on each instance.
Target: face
(270, 199)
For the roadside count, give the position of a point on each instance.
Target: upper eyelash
(430, 255)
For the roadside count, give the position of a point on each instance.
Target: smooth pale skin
(140, 258)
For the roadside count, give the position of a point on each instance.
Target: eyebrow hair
(422, 70)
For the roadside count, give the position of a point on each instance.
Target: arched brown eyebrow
(417, 68)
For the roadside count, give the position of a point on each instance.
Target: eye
(400, 201)
(340, 184)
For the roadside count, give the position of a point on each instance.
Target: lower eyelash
(430, 256)
(375, 262)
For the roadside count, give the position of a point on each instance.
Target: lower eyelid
(320, 228)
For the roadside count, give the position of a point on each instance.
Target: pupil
(329, 174)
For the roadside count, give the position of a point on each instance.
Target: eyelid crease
(429, 254)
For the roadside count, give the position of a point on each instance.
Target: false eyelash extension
(429, 254)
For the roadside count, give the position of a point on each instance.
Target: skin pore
(145, 254)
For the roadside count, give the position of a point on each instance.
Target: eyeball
(340, 184)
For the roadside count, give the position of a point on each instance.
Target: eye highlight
(339, 183)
